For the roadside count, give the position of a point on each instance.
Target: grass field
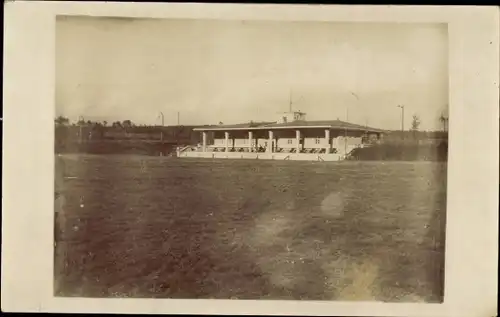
(140, 226)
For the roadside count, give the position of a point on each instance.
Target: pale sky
(236, 71)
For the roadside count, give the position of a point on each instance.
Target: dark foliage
(403, 152)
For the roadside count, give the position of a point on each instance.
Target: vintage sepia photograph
(231, 159)
(247, 159)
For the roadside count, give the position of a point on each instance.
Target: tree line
(127, 129)
(88, 130)
(64, 121)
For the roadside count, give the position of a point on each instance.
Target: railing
(184, 148)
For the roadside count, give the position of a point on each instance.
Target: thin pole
(345, 131)
(177, 129)
(366, 131)
(290, 98)
(402, 120)
(347, 120)
(162, 125)
(81, 120)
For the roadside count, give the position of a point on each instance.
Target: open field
(143, 226)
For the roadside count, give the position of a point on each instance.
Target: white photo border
(28, 157)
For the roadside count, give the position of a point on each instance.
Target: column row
(271, 142)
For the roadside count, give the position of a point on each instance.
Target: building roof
(302, 124)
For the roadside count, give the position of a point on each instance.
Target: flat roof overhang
(287, 128)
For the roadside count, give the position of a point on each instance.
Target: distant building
(290, 137)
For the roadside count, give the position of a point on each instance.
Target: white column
(297, 140)
(270, 142)
(327, 139)
(226, 143)
(204, 148)
(250, 139)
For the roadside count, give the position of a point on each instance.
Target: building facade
(290, 137)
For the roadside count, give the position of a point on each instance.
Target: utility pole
(345, 130)
(347, 120)
(177, 128)
(365, 138)
(290, 97)
(162, 125)
(402, 120)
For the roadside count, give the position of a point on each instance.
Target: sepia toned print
(250, 159)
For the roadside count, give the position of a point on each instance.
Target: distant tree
(98, 129)
(61, 120)
(127, 124)
(117, 124)
(105, 123)
(415, 124)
